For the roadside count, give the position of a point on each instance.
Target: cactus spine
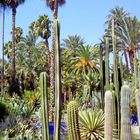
(72, 117)
(116, 77)
(107, 63)
(125, 113)
(44, 106)
(57, 81)
(108, 115)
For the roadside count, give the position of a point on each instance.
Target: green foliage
(4, 111)
(91, 124)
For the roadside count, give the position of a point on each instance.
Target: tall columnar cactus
(72, 117)
(125, 113)
(107, 63)
(135, 72)
(116, 76)
(137, 97)
(101, 77)
(137, 92)
(121, 69)
(108, 115)
(44, 106)
(57, 81)
(114, 106)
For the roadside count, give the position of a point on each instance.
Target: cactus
(108, 115)
(107, 64)
(44, 106)
(125, 113)
(121, 70)
(101, 77)
(135, 72)
(116, 77)
(57, 81)
(137, 84)
(137, 97)
(72, 117)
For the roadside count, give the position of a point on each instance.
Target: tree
(130, 34)
(118, 14)
(41, 28)
(3, 4)
(73, 42)
(13, 4)
(83, 62)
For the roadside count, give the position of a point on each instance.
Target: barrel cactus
(73, 124)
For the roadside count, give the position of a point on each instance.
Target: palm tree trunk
(52, 63)
(2, 72)
(126, 60)
(13, 44)
(131, 58)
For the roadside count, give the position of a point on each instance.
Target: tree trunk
(126, 60)
(48, 56)
(13, 45)
(52, 63)
(131, 58)
(2, 72)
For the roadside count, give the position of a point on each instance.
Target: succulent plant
(72, 118)
(108, 115)
(125, 113)
(91, 124)
(44, 105)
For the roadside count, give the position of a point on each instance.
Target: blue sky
(83, 17)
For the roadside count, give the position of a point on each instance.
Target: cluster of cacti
(108, 115)
(125, 113)
(44, 106)
(116, 77)
(72, 118)
(44, 93)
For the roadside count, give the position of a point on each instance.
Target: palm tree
(41, 28)
(53, 5)
(83, 62)
(72, 42)
(118, 14)
(13, 4)
(3, 4)
(130, 34)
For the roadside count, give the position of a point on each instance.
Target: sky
(82, 17)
